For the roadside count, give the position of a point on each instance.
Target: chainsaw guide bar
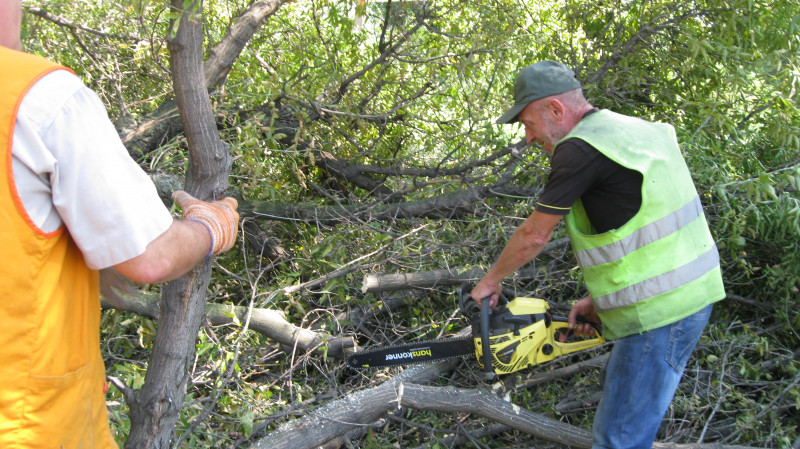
(413, 353)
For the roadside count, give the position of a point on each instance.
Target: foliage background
(409, 97)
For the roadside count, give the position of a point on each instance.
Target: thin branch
(60, 21)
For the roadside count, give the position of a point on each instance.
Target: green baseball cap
(539, 80)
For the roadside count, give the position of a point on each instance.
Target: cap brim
(511, 115)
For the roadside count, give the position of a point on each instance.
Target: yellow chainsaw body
(525, 335)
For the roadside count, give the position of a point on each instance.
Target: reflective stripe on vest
(642, 236)
(660, 284)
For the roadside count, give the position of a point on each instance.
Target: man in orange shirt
(72, 202)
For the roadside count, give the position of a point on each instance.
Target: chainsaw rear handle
(575, 346)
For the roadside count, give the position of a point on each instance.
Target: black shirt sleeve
(611, 193)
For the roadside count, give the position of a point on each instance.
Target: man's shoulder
(56, 84)
(48, 96)
(574, 147)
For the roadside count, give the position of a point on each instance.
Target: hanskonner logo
(421, 352)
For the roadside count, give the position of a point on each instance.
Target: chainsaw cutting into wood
(516, 334)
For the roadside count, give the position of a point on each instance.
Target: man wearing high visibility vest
(639, 233)
(72, 202)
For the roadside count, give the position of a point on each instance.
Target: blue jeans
(641, 376)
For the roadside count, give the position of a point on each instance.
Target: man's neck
(577, 115)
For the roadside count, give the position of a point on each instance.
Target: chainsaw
(516, 334)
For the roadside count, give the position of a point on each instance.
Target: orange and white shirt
(71, 168)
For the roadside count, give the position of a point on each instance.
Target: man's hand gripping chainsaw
(514, 335)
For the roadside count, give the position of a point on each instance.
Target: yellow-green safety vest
(662, 265)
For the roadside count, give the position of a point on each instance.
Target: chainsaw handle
(468, 306)
(488, 368)
(567, 348)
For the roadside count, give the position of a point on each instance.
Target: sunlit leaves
(373, 88)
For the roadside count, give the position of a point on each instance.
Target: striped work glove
(220, 217)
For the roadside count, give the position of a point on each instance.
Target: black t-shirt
(611, 194)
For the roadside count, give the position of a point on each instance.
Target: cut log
(383, 282)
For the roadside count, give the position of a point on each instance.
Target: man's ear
(556, 108)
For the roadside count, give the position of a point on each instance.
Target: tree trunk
(155, 408)
(447, 205)
(363, 408)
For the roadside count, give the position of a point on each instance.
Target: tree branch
(223, 55)
(270, 323)
(405, 390)
(60, 21)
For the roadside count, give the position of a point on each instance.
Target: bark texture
(155, 408)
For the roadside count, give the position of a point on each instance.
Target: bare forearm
(524, 245)
(207, 227)
(182, 247)
(520, 249)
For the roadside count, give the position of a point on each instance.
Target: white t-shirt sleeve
(108, 204)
